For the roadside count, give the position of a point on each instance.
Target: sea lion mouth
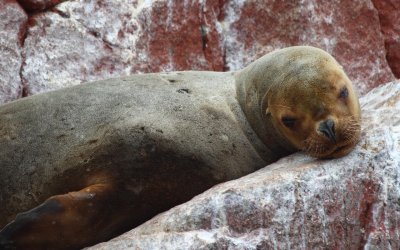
(334, 151)
(340, 151)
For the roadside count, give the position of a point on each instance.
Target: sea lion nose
(328, 129)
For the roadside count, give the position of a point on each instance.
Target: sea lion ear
(267, 112)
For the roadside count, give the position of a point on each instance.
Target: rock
(85, 41)
(12, 32)
(349, 30)
(62, 52)
(389, 15)
(182, 35)
(298, 202)
(79, 41)
(70, 42)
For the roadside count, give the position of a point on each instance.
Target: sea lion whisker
(281, 106)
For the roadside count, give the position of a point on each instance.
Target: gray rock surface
(298, 202)
(12, 28)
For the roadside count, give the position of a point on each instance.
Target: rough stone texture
(349, 30)
(298, 202)
(70, 42)
(389, 15)
(69, 54)
(84, 41)
(12, 29)
(182, 35)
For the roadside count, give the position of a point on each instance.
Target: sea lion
(95, 160)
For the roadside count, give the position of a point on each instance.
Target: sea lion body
(95, 160)
(166, 137)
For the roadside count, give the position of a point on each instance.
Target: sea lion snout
(327, 128)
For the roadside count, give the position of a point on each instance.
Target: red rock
(349, 30)
(182, 35)
(12, 31)
(298, 202)
(105, 38)
(389, 16)
(38, 5)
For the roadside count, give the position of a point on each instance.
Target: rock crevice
(389, 19)
(35, 6)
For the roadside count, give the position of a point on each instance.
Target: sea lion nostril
(328, 129)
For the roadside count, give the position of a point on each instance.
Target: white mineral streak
(313, 35)
(298, 202)
(110, 19)
(234, 48)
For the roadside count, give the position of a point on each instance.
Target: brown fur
(304, 83)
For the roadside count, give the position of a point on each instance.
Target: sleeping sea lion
(87, 163)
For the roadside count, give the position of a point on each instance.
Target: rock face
(389, 15)
(349, 30)
(86, 42)
(70, 42)
(12, 28)
(298, 202)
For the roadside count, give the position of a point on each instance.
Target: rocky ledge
(298, 202)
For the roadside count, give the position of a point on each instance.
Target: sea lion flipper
(59, 217)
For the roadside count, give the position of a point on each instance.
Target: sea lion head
(313, 103)
(299, 98)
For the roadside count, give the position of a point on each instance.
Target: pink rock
(349, 30)
(102, 39)
(389, 15)
(298, 202)
(12, 31)
(79, 41)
